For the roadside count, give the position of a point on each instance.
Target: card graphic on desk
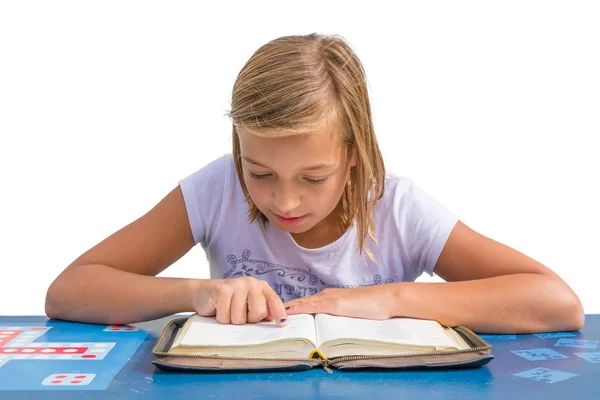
(592, 356)
(68, 379)
(321, 336)
(539, 354)
(485, 337)
(546, 375)
(552, 335)
(581, 344)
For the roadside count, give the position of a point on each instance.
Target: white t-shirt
(410, 226)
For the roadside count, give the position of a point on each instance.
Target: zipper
(321, 362)
(326, 363)
(196, 355)
(415, 353)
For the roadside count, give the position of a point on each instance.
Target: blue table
(50, 359)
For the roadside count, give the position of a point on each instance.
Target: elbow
(63, 294)
(575, 315)
(571, 314)
(54, 304)
(563, 310)
(51, 307)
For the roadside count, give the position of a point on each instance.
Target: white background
(492, 109)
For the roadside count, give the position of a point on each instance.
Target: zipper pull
(325, 365)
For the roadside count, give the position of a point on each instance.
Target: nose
(286, 199)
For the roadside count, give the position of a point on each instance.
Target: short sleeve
(425, 227)
(203, 193)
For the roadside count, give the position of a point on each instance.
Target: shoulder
(398, 184)
(207, 192)
(408, 204)
(397, 202)
(216, 171)
(402, 191)
(398, 189)
(223, 163)
(422, 223)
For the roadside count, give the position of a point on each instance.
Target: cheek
(326, 198)
(258, 192)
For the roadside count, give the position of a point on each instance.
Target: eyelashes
(256, 176)
(313, 181)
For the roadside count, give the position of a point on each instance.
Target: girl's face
(295, 181)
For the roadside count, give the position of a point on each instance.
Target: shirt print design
(245, 266)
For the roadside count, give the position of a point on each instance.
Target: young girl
(302, 218)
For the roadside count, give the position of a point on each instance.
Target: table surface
(42, 358)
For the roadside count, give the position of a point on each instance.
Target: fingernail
(287, 308)
(283, 320)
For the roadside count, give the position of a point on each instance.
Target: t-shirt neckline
(328, 247)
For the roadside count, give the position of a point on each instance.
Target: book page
(396, 330)
(207, 331)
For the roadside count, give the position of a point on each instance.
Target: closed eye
(313, 181)
(316, 181)
(256, 176)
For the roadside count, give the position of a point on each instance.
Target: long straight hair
(301, 83)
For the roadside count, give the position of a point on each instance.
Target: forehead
(311, 143)
(314, 150)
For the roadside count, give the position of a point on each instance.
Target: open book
(320, 337)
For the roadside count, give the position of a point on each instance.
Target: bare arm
(493, 288)
(520, 303)
(101, 294)
(114, 282)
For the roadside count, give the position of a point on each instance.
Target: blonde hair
(301, 83)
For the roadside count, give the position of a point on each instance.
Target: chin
(291, 229)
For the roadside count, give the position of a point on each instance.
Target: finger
(269, 316)
(223, 295)
(275, 305)
(292, 305)
(257, 305)
(239, 306)
(308, 305)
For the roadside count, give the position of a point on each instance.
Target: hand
(238, 301)
(370, 302)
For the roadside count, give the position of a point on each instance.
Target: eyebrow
(311, 168)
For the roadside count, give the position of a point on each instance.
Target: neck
(325, 232)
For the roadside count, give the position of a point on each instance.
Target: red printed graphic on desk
(17, 343)
(41, 354)
(68, 379)
(120, 328)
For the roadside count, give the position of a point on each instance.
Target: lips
(290, 221)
